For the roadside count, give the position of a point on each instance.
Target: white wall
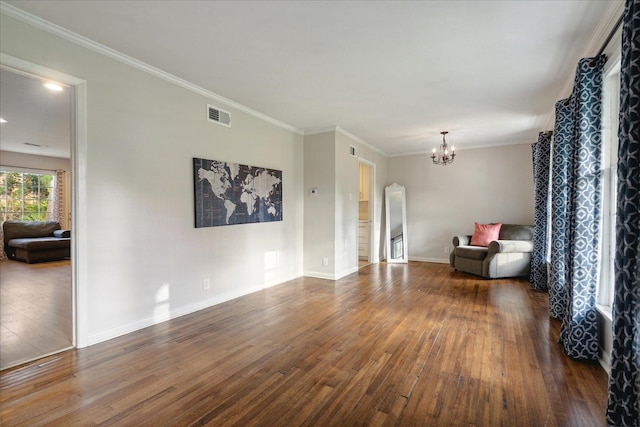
(482, 185)
(331, 217)
(319, 210)
(144, 261)
(347, 190)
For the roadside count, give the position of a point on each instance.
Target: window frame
(27, 171)
(610, 123)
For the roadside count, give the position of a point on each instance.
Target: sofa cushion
(473, 252)
(40, 244)
(484, 234)
(18, 229)
(516, 232)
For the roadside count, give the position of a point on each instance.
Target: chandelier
(443, 157)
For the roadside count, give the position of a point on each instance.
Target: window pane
(24, 196)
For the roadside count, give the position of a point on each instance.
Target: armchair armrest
(461, 240)
(510, 246)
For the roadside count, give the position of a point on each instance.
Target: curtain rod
(28, 168)
(613, 31)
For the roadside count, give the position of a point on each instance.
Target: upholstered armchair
(509, 256)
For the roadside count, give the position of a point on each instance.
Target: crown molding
(87, 43)
(343, 132)
(606, 24)
(458, 149)
(360, 140)
(602, 30)
(322, 130)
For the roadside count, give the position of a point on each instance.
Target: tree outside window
(24, 196)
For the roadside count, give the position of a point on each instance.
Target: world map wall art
(230, 193)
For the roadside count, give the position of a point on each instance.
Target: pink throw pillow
(485, 234)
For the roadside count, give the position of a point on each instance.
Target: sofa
(36, 241)
(509, 256)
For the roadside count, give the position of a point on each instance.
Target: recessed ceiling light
(52, 86)
(2, 120)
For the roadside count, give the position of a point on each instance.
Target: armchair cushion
(516, 232)
(472, 252)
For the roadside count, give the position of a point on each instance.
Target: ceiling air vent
(214, 114)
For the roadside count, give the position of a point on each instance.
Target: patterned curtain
(623, 408)
(575, 213)
(563, 132)
(57, 209)
(3, 255)
(541, 153)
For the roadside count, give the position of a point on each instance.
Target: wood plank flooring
(414, 345)
(35, 310)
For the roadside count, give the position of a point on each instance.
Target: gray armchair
(510, 256)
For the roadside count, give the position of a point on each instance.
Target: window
(610, 121)
(24, 196)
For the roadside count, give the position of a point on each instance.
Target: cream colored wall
(319, 211)
(482, 185)
(8, 158)
(142, 260)
(331, 219)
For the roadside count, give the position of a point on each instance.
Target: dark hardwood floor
(415, 345)
(36, 316)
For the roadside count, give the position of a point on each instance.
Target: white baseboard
(318, 275)
(329, 276)
(98, 337)
(347, 272)
(605, 360)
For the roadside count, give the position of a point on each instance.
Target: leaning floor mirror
(396, 231)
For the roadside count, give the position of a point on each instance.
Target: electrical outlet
(205, 284)
(446, 249)
(325, 262)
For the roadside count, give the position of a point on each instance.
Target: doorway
(366, 203)
(37, 308)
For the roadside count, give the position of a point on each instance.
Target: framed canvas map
(230, 193)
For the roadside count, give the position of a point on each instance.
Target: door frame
(372, 202)
(78, 144)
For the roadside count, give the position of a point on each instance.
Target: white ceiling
(38, 120)
(392, 73)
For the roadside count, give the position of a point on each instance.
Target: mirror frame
(387, 192)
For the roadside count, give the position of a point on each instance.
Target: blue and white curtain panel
(230, 193)
(561, 166)
(623, 408)
(575, 211)
(541, 157)
(579, 334)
